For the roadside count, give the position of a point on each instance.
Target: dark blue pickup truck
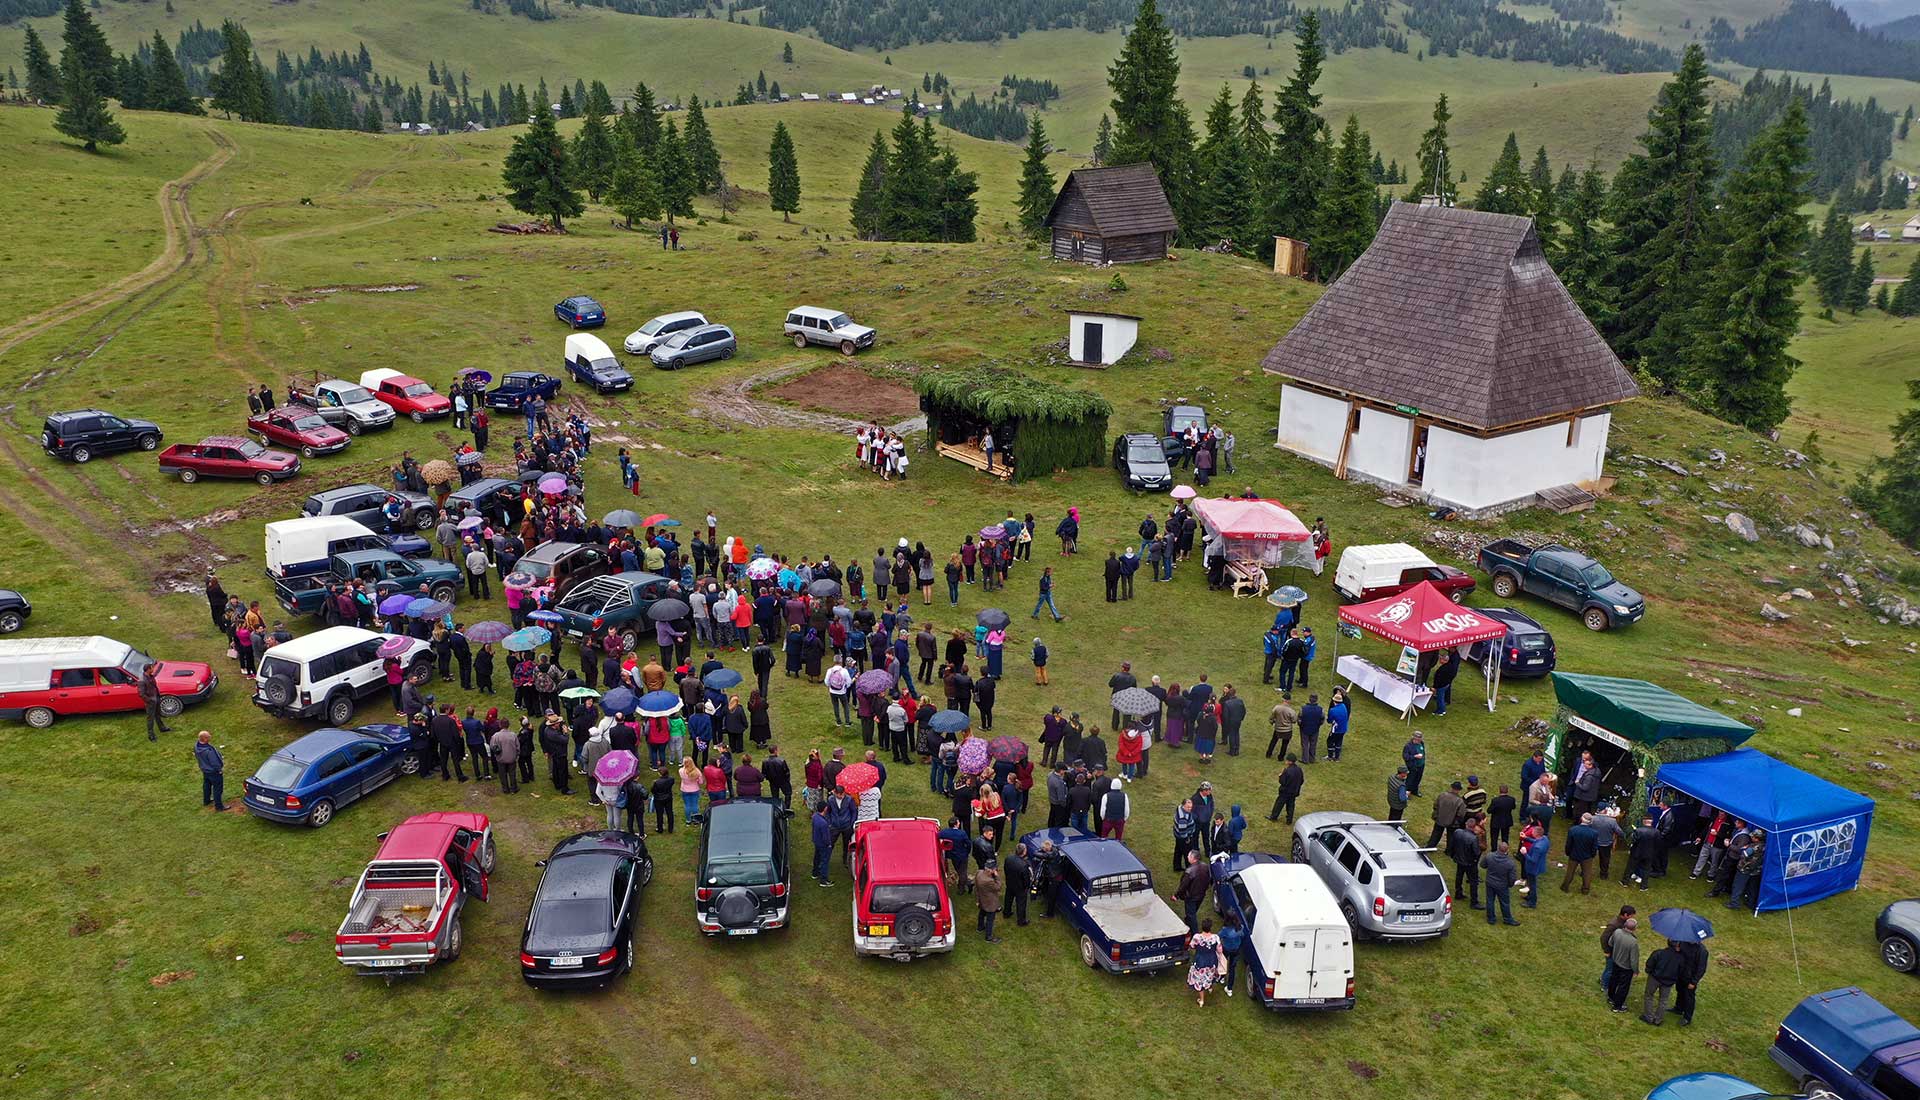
(1848, 1044)
(1106, 894)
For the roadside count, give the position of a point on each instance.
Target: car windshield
(538, 570)
(310, 422)
(891, 897)
(739, 872)
(1182, 421)
(677, 340)
(1415, 888)
(353, 395)
(1596, 576)
(605, 365)
(1146, 452)
(572, 917)
(250, 449)
(839, 320)
(135, 663)
(418, 389)
(653, 326)
(280, 773)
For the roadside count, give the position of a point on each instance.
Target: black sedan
(1141, 462)
(580, 928)
(1526, 651)
(1898, 930)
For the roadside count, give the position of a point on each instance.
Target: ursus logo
(1397, 612)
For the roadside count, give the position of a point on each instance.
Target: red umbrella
(856, 778)
(654, 519)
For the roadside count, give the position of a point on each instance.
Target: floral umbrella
(761, 569)
(528, 638)
(617, 766)
(488, 631)
(438, 472)
(857, 778)
(1288, 595)
(395, 645)
(973, 756)
(1007, 749)
(876, 681)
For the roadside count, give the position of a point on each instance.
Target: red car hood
(182, 677)
(432, 402)
(280, 460)
(323, 437)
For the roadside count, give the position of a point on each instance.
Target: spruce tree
(670, 163)
(545, 104)
(1344, 223)
(1151, 124)
(1540, 179)
(783, 173)
(371, 122)
(599, 100)
(1870, 198)
(954, 190)
(635, 190)
(167, 84)
(1037, 187)
(1584, 256)
(83, 112)
(1748, 312)
(869, 199)
(1860, 284)
(1882, 299)
(786, 53)
(1906, 296)
(1661, 211)
(1890, 489)
(701, 152)
(1433, 161)
(43, 79)
(644, 120)
(237, 87)
(907, 198)
(1226, 186)
(1254, 138)
(1103, 141)
(592, 156)
(537, 176)
(131, 79)
(84, 45)
(1830, 260)
(1505, 191)
(1299, 159)
(566, 102)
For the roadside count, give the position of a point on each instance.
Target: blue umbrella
(528, 638)
(396, 604)
(667, 523)
(425, 608)
(1681, 924)
(721, 679)
(1288, 596)
(659, 704)
(545, 616)
(950, 721)
(618, 701)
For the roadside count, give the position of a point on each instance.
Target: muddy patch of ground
(849, 391)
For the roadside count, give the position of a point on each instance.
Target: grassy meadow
(152, 949)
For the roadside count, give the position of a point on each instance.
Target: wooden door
(1090, 342)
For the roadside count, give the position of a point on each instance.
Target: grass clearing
(98, 911)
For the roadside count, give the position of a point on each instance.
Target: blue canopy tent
(1816, 831)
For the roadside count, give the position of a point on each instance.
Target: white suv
(813, 325)
(325, 673)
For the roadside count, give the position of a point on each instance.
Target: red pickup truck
(406, 395)
(301, 428)
(228, 456)
(406, 908)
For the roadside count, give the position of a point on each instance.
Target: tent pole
(1493, 689)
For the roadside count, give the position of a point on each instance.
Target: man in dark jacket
(1641, 852)
(1058, 787)
(762, 654)
(553, 742)
(1093, 750)
(822, 846)
(1500, 817)
(1397, 794)
(1583, 843)
(779, 776)
(842, 812)
(448, 739)
(956, 847)
(150, 695)
(983, 695)
(213, 772)
(1312, 717)
(1112, 573)
(1414, 755)
(1192, 891)
(1664, 969)
(1693, 967)
(1442, 682)
(1233, 712)
(1018, 874)
(1292, 779)
(1448, 809)
(1464, 846)
(1500, 871)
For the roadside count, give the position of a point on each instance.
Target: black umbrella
(993, 619)
(824, 589)
(665, 611)
(528, 477)
(1135, 702)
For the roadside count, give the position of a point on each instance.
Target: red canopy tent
(1258, 531)
(1425, 619)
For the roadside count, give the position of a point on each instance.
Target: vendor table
(1384, 684)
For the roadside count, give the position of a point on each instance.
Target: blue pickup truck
(1106, 894)
(1846, 1043)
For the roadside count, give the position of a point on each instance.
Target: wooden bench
(1248, 579)
(974, 457)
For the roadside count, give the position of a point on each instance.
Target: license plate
(566, 963)
(264, 798)
(879, 930)
(1415, 918)
(1536, 660)
(1150, 960)
(1308, 1001)
(573, 634)
(385, 962)
(741, 931)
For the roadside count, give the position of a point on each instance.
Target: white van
(296, 547)
(590, 362)
(1371, 572)
(1299, 947)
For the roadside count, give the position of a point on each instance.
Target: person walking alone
(1292, 779)
(1046, 596)
(213, 771)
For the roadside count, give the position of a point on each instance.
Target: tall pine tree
(167, 84)
(1103, 141)
(1584, 256)
(1748, 312)
(592, 156)
(237, 87)
(1434, 159)
(869, 202)
(83, 112)
(43, 79)
(677, 182)
(1299, 158)
(1860, 285)
(1662, 209)
(1906, 296)
(1891, 487)
(85, 47)
(1345, 221)
(1227, 185)
(702, 155)
(1505, 191)
(635, 190)
(1830, 260)
(783, 173)
(643, 121)
(908, 211)
(1254, 137)
(1151, 124)
(1036, 183)
(537, 176)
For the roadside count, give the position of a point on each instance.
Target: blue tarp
(1816, 830)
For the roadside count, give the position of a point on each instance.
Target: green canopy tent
(1046, 427)
(1631, 727)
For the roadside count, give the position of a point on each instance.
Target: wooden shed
(1116, 215)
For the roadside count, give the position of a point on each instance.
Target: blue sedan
(1712, 1086)
(306, 782)
(581, 311)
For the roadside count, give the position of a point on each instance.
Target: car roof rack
(1376, 853)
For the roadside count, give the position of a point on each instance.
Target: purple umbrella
(488, 632)
(617, 766)
(396, 604)
(395, 645)
(553, 486)
(994, 532)
(519, 578)
(973, 756)
(1010, 750)
(874, 682)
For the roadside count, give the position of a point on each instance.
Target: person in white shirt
(839, 681)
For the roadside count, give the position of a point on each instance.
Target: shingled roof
(1125, 200)
(1456, 313)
